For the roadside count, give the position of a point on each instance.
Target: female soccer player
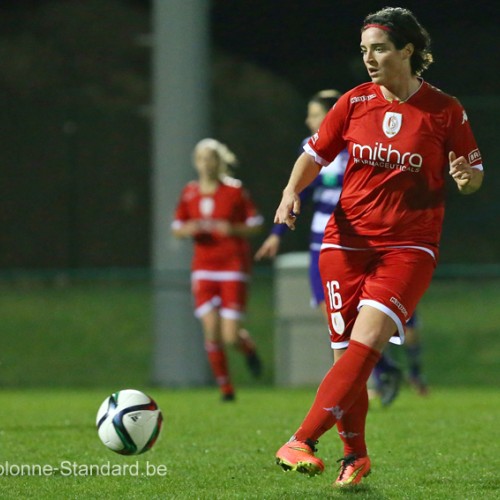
(381, 243)
(324, 192)
(220, 216)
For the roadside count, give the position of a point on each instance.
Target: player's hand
(460, 169)
(288, 209)
(222, 227)
(192, 227)
(269, 248)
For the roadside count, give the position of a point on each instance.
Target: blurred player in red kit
(219, 215)
(381, 244)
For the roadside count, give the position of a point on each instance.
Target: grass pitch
(444, 446)
(88, 334)
(66, 348)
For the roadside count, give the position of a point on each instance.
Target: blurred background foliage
(75, 122)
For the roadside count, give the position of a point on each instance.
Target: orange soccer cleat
(299, 456)
(352, 470)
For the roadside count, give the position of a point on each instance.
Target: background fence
(75, 161)
(75, 172)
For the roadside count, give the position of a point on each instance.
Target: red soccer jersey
(394, 184)
(230, 202)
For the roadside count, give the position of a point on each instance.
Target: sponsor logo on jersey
(386, 157)
(392, 123)
(362, 98)
(474, 155)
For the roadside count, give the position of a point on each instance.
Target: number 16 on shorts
(335, 302)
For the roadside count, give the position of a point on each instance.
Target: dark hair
(403, 28)
(326, 98)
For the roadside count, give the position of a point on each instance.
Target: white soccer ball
(129, 422)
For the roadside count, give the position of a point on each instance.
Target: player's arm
(186, 229)
(467, 178)
(303, 173)
(269, 248)
(271, 245)
(240, 229)
(183, 224)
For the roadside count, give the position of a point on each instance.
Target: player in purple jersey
(324, 193)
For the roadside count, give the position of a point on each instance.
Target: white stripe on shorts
(415, 247)
(219, 275)
(381, 307)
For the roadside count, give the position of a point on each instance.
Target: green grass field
(91, 334)
(443, 447)
(60, 359)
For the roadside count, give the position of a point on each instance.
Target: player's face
(385, 63)
(315, 114)
(206, 163)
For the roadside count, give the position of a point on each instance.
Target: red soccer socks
(339, 390)
(351, 427)
(218, 363)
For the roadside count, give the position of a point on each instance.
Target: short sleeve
(461, 139)
(328, 141)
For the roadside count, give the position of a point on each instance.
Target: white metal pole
(181, 94)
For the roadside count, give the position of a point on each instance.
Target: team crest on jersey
(206, 207)
(392, 123)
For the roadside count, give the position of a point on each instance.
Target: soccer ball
(129, 422)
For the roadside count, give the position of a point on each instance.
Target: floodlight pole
(181, 93)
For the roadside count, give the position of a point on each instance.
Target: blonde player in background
(218, 214)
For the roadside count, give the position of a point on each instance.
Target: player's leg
(342, 387)
(216, 354)
(389, 281)
(342, 300)
(413, 348)
(295, 455)
(347, 378)
(233, 307)
(206, 295)
(387, 377)
(398, 275)
(351, 428)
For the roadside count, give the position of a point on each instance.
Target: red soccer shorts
(392, 280)
(226, 290)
